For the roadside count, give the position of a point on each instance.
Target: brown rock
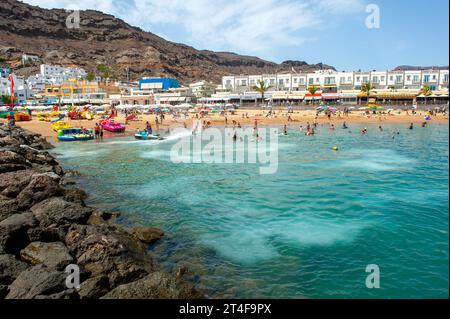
(147, 235)
(53, 255)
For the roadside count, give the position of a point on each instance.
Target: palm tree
(313, 90)
(262, 88)
(366, 89)
(426, 91)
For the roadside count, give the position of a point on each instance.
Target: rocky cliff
(126, 50)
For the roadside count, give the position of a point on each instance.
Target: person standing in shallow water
(411, 126)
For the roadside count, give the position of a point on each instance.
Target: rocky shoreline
(46, 226)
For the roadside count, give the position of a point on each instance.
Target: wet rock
(94, 288)
(157, 285)
(37, 281)
(53, 255)
(10, 268)
(8, 207)
(147, 235)
(40, 188)
(108, 250)
(13, 232)
(75, 195)
(58, 211)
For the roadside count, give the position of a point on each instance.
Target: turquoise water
(308, 231)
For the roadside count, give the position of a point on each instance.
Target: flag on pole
(11, 80)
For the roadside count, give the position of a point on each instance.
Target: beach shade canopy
(363, 108)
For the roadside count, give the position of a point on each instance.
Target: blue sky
(412, 32)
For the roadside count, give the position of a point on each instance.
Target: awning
(310, 97)
(330, 96)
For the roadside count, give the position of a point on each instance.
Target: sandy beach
(243, 117)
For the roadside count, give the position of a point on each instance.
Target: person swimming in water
(364, 131)
(380, 128)
(344, 126)
(411, 126)
(285, 130)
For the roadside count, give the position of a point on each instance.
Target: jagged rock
(10, 268)
(53, 255)
(69, 294)
(8, 157)
(94, 288)
(8, 207)
(40, 188)
(5, 168)
(58, 211)
(75, 195)
(48, 234)
(157, 285)
(147, 235)
(12, 183)
(37, 281)
(13, 232)
(108, 250)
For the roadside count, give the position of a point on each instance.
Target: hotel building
(338, 86)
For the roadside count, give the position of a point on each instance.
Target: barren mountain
(104, 39)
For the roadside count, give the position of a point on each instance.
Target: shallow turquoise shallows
(308, 231)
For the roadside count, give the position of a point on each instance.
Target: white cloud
(245, 26)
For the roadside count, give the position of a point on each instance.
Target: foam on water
(378, 160)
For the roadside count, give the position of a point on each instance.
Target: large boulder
(9, 157)
(75, 195)
(57, 211)
(13, 232)
(37, 281)
(53, 255)
(10, 268)
(12, 183)
(158, 285)
(109, 250)
(41, 187)
(147, 235)
(94, 287)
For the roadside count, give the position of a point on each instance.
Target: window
(342, 80)
(365, 79)
(408, 77)
(358, 79)
(391, 78)
(434, 77)
(375, 79)
(252, 82)
(426, 78)
(398, 79)
(228, 82)
(446, 78)
(244, 82)
(302, 81)
(281, 82)
(287, 81)
(311, 81)
(272, 81)
(317, 80)
(416, 79)
(349, 79)
(382, 79)
(295, 80)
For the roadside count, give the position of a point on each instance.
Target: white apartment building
(331, 80)
(21, 90)
(54, 75)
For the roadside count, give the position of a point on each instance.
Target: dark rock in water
(94, 288)
(147, 235)
(40, 188)
(13, 232)
(53, 255)
(10, 268)
(12, 183)
(157, 285)
(8, 207)
(37, 281)
(58, 211)
(71, 174)
(75, 195)
(108, 250)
